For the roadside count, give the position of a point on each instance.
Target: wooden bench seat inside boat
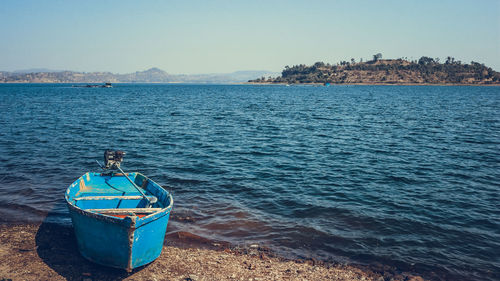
(124, 211)
(152, 199)
(121, 213)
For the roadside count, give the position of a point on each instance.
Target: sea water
(407, 176)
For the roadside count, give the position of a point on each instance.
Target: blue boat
(119, 218)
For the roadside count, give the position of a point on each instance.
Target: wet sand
(49, 252)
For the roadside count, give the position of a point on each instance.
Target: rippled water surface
(399, 175)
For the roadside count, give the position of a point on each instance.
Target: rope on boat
(136, 187)
(150, 201)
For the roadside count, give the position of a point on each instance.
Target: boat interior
(114, 195)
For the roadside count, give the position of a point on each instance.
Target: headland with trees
(425, 70)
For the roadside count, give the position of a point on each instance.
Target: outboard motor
(113, 159)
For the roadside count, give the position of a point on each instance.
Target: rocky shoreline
(49, 252)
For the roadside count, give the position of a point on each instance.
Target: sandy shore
(48, 252)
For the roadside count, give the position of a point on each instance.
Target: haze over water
(398, 175)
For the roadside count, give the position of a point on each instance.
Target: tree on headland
(376, 57)
(319, 64)
(425, 60)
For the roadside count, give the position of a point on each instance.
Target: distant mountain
(35, 70)
(152, 75)
(233, 77)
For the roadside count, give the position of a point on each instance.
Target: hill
(152, 75)
(426, 70)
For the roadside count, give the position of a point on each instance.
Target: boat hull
(124, 242)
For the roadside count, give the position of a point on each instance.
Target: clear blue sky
(225, 36)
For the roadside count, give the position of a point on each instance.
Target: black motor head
(113, 159)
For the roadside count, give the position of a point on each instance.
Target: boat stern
(103, 240)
